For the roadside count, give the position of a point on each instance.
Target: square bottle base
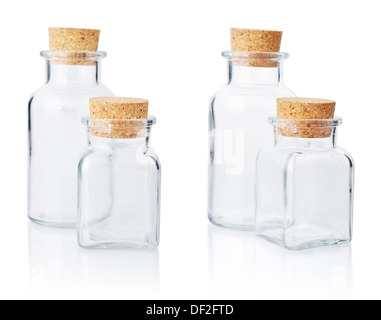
(300, 238)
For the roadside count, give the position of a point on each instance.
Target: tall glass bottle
(238, 118)
(57, 137)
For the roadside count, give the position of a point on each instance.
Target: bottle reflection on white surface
(53, 260)
(133, 274)
(58, 267)
(250, 267)
(231, 262)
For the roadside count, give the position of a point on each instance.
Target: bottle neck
(113, 144)
(245, 75)
(119, 133)
(316, 143)
(73, 74)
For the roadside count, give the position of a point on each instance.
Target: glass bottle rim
(255, 56)
(74, 55)
(316, 123)
(120, 123)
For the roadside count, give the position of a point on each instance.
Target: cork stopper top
(254, 40)
(262, 42)
(305, 108)
(118, 108)
(110, 117)
(73, 46)
(77, 40)
(301, 110)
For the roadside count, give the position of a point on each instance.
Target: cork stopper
(79, 40)
(301, 110)
(260, 41)
(72, 46)
(110, 117)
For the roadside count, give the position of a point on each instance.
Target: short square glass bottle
(119, 186)
(304, 186)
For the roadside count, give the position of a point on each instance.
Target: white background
(169, 52)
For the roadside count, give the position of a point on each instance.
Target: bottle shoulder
(49, 99)
(104, 156)
(248, 98)
(154, 158)
(330, 156)
(346, 155)
(76, 90)
(254, 90)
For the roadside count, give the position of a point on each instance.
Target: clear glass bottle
(119, 187)
(56, 136)
(304, 186)
(238, 131)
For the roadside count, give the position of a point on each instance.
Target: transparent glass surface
(304, 188)
(57, 138)
(119, 189)
(238, 131)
